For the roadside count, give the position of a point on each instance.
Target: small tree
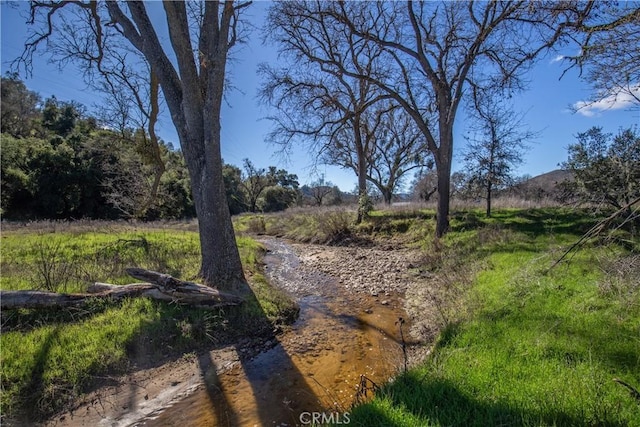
(320, 190)
(425, 184)
(606, 168)
(495, 146)
(282, 193)
(254, 182)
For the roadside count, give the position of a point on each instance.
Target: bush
(334, 226)
(606, 168)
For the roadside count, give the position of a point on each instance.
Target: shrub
(334, 226)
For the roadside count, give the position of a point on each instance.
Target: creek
(342, 344)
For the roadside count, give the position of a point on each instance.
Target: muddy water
(317, 366)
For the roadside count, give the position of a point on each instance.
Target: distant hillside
(548, 181)
(546, 185)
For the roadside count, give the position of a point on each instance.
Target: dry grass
(505, 202)
(308, 225)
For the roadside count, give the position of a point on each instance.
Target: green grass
(68, 260)
(532, 346)
(49, 364)
(50, 357)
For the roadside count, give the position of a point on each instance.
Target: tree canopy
(606, 167)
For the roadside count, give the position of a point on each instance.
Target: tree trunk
(220, 262)
(489, 185)
(362, 171)
(387, 196)
(442, 214)
(443, 158)
(162, 287)
(221, 265)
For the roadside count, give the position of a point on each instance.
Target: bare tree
(193, 93)
(133, 102)
(495, 145)
(316, 102)
(425, 184)
(400, 148)
(432, 52)
(120, 72)
(320, 190)
(254, 182)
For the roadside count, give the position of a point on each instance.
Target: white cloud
(622, 99)
(558, 58)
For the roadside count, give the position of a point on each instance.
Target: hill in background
(548, 181)
(545, 186)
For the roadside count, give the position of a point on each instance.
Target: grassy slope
(537, 348)
(48, 357)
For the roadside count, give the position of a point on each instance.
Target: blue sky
(244, 128)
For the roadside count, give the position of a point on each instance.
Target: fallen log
(161, 287)
(40, 299)
(180, 289)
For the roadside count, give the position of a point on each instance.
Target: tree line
(58, 162)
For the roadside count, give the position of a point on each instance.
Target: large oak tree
(434, 51)
(190, 69)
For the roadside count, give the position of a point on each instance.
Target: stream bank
(345, 341)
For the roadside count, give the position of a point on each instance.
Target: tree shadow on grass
(174, 332)
(423, 401)
(33, 393)
(25, 320)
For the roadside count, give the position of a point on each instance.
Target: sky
(546, 105)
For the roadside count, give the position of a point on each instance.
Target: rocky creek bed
(351, 300)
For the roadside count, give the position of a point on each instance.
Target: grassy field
(523, 344)
(49, 357)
